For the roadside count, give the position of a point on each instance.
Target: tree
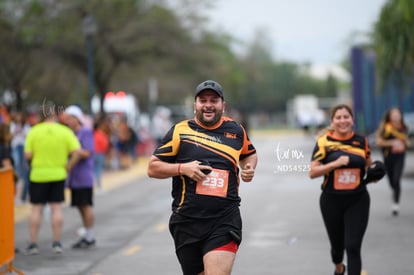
(130, 36)
(138, 40)
(16, 54)
(138, 35)
(258, 68)
(394, 37)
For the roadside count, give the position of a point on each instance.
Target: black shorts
(82, 197)
(193, 238)
(42, 193)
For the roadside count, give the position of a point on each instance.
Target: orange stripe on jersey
(336, 145)
(223, 154)
(215, 126)
(246, 143)
(183, 192)
(367, 149)
(348, 136)
(390, 130)
(209, 141)
(321, 153)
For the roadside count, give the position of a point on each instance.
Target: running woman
(341, 157)
(393, 139)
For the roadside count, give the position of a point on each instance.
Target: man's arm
(75, 157)
(248, 165)
(6, 163)
(83, 153)
(28, 156)
(160, 169)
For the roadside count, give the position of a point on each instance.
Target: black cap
(209, 85)
(375, 172)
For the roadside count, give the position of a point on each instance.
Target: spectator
(5, 153)
(161, 123)
(48, 146)
(80, 179)
(18, 130)
(101, 148)
(127, 144)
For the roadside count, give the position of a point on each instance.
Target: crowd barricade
(7, 250)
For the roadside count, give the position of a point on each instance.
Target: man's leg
(191, 259)
(87, 215)
(34, 221)
(88, 220)
(57, 220)
(218, 262)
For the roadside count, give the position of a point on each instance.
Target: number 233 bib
(216, 184)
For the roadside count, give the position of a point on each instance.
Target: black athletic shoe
(32, 249)
(395, 210)
(84, 243)
(343, 272)
(57, 247)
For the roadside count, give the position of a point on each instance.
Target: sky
(304, 31)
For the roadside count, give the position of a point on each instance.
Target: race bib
(215, 184)
(346, 178)
(398, 146)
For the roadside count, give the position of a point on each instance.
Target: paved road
(283, 231)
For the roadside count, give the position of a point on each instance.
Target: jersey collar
(215, 126)
(337, 137)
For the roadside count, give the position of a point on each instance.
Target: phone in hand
(205, 171)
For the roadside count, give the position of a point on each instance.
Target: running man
(204, 156)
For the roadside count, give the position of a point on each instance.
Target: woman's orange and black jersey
(222, 146)
(346, 179)
(389, 132)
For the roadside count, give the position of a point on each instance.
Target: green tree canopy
(394, 37)
(44, 52)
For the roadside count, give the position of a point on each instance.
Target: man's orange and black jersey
(329, 148)
(389, 132)
(222, 146)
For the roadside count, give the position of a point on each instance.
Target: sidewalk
(110, 180)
